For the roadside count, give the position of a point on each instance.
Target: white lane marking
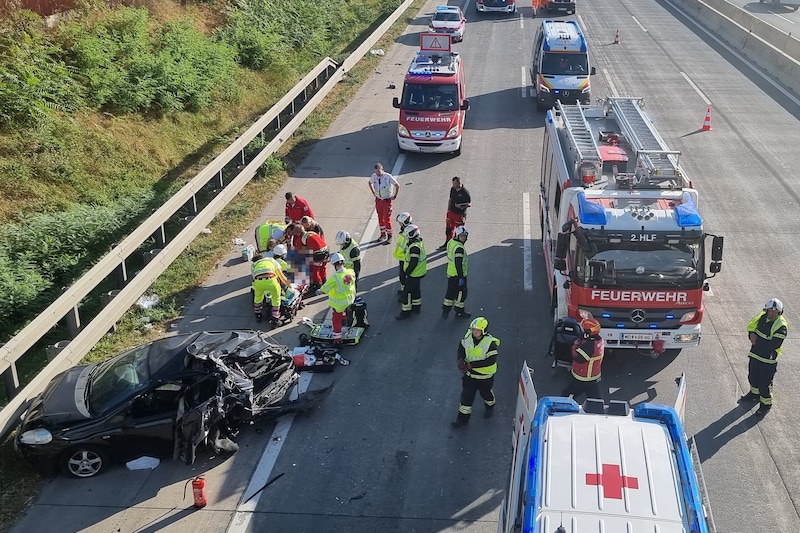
(524, 83)
(521, 20)
(696, 88)
(639, 23)
(612, 89)
(527, 256)
(739, 56)
(261, 475)
(780, 17)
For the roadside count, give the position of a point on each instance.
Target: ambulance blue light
(591, 212)
(686, 213)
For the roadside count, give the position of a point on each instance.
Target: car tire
(84, 461)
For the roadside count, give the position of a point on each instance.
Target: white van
(560, 69)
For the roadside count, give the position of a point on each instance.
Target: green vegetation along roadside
(19, 484)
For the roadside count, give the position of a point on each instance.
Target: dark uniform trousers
(469, 386)
(455, 296)
(577, 388)
(760, 375)
(411, 298)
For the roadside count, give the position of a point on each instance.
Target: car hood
(62, 401)
(446, 25)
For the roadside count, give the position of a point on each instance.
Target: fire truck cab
(434, 102)
(621, 229)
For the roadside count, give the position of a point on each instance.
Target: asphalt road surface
(784, 15)
(379, 454)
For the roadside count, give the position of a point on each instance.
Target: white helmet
(774, 305)
(412, 230)
(279, 250)
(277, 234)
(342, 237)
(404, 218)
(336, 258)
(461, 230)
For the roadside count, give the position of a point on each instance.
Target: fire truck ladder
(660, 163)
(579, 132)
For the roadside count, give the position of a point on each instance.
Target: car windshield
(646, 266)
(118, 378)
(564, 64)
(446, 16)
(430, 97)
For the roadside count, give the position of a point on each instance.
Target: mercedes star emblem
(637, 315)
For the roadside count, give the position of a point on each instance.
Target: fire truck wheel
(84, 461)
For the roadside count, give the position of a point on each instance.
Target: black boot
(417, 309)
(258, 317)
(463, 313)
(749, 397)
(445, 311)
(403, 315)
(763, 409)
(461, 421)
(489, 411)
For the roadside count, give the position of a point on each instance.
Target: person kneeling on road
(341, 291)
(267, 281)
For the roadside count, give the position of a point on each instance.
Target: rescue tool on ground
(596, 467)
(621, 230)
(434, 102)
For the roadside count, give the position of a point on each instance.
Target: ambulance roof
(563, 36)
(616, 473)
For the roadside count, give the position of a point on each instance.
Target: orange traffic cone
(616, 38)
(707, 121)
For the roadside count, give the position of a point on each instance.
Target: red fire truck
(434, 102)
(621, 231)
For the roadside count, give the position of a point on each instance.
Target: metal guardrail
(66, 306)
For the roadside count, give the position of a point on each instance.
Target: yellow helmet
(479, 323)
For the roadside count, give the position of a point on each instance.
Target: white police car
(449, 20)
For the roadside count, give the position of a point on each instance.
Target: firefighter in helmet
(415, 265)
(341, 291)
(766, 331)
(587, 358)
(401, 246)
(456, 293)
(351, 251)
(477, 360)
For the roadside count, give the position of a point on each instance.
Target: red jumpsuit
(316, 245)
(297, 210)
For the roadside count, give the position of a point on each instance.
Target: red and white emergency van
(602, 467)
(434, 101)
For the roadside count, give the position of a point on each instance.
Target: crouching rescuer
(341, 291)
(587, 359)
(268, 278)
(477, 360)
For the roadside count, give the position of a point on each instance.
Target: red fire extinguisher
(199, 491)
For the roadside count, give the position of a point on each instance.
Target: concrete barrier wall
(775, 52)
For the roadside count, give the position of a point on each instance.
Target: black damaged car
(161, 399)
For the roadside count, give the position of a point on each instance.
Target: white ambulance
(600, 467)
(560, 68)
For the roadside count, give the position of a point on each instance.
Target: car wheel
(304, 339)
(84, 461)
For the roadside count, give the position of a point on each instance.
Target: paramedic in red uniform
(767, 331)
(587, 358)
(456, 210)
(384, 188)
(314, 245)
(296, 209)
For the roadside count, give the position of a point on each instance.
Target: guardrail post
(160, 236)
(73, 319)
(105, 299)
(192, 205)
(121, 274)
(11, 380)
(54, 349)
(149, 256)
(220, 180)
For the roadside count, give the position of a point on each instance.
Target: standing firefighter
(341, 291)
(477, 359)
(351, 251)
(415, 265)
(767, 331)
(267, 281)
(457, 261)
(457, 205)
(587, 359)
(401, 247)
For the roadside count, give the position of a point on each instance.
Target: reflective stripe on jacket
(486, 349)
(587, 358)
(456, 249)
(770, 335)
(416, 258)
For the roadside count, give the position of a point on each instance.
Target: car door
(147, 424)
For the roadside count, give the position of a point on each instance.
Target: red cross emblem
(612, 481)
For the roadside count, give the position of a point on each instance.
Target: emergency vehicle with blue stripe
(597, 467)
(622, 232)
(434, 103)
(560, 69)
